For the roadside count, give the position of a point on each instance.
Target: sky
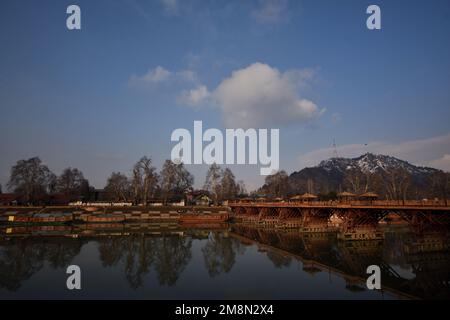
(101, 97)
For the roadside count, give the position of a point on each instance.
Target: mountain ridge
(374, 171)
(372, 163)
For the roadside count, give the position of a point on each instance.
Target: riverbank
(68, 214)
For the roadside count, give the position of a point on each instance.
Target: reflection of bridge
(351, 214)
(350, 260)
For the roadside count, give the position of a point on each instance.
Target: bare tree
(175, 179)
(440, 185)
(241, 189)
(168, 179)
(212, 182)
(118, 185)
(397, 183)
(86, 190)
(136, 184)
(357, 181)
(229, 187)
(277, 185)
(71, 182)
(31, 180)
(310, 185)
(144, 181)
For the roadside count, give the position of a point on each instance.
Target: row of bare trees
(146, 183)
(32, 181)
(391, 184)
(277, 185)
(398, 184)
(171, 182)
(222, 185)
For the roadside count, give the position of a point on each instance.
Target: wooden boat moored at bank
(51, 218)
(37, 218)
(204, 218)
(103, 218)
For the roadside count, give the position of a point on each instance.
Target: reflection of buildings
(428, 242)
(356, 221)
(363, 232)
(350, 259)
(139, 249)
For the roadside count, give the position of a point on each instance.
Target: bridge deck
(327, 205)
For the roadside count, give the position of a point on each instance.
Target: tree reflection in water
(172, 256)
(219, 253)
(169, 255)
(414, 264)
(21, 258)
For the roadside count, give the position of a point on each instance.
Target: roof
(203, 197)
(308, 196)
(369, 195)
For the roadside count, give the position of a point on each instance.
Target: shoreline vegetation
(377, 177)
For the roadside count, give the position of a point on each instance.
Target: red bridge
(318, 216)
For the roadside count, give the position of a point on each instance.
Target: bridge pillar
(421, 221)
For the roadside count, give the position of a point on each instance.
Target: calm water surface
(231, 262)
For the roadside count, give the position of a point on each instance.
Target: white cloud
(260, 95)
(161, 75)
(153, 76)
(426, 152)
(255, 96)
(194, 97)
(271, 11)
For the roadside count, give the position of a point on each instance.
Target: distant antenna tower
(335, 153)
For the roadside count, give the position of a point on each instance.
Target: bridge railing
(372, 203)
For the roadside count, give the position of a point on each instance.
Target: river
(219, 262)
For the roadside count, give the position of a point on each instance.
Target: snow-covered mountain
(372, 163)
(329, 175)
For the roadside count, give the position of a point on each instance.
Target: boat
(204, 218)
(16, 218)
(37, 218)
(51, 218)
(103, 218)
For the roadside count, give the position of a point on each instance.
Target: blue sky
(101, 97)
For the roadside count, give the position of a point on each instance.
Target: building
(198, 198)
(8, 199)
